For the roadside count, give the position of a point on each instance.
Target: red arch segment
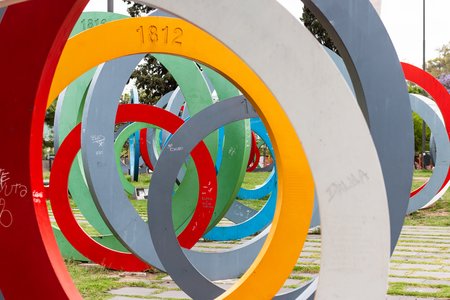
(32, 38)
(438, 92)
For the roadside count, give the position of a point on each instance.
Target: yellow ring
(295, 183)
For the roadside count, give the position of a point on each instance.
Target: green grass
(253, 204)
(437, 262)
(141, 208)
(301, 278)
(400, 288)
(436, 215)
(422, 173)
(309, 269)
(93, 282)
(144, 180)
(253, 179)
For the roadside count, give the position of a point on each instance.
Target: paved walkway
(419, 269)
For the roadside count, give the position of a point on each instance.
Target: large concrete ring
(265, 95)
(50, 37)
(261, 219)
(236, 266)
(442, 98)
(100, 107)
(230, 15)
(367, 168)
(429, 112)
(372, 62)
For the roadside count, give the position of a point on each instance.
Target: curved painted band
(133, 142)
(153, 150)
(47, 274)
(428, 111)
(127, 133)
(186, 214)
(174, 105)
(253, 160)
(169, 163)
(100, 163)
(121, 34)
(185, 196)
(51, 35)
(234, 14)
(372, 62)
(268, 186)
(440, 95)
(67, 223)
(229, 175)
(144, 149)
(90, 248)
(68, 113)
(101, 91)
(261, 219)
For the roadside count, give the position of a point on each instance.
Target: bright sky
(402, 18)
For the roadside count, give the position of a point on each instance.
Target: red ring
(29, 244)
(144, 148)
(440, 95)
(253, 159)
(73, 231)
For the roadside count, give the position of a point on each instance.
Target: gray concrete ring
(429, 112)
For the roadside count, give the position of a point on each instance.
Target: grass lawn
(436, 215)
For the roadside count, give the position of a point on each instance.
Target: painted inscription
(342, 186)
(160, 35)
(9, 187)
(89, 23)
(6, 217)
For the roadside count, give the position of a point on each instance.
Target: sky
(402, 18)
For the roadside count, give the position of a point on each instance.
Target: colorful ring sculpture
(103, 27)
(358, 198)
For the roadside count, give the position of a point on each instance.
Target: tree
(152, 79)
(440, 65)
(445, 80)
(417, 120)
(317, 29)
(135, 10)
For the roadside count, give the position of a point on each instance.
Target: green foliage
(417, 120)
(441, 64)
(135, 10)
(317, 29)
(151, 78)
(48, 141)
(415, 89)
(50, 114)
